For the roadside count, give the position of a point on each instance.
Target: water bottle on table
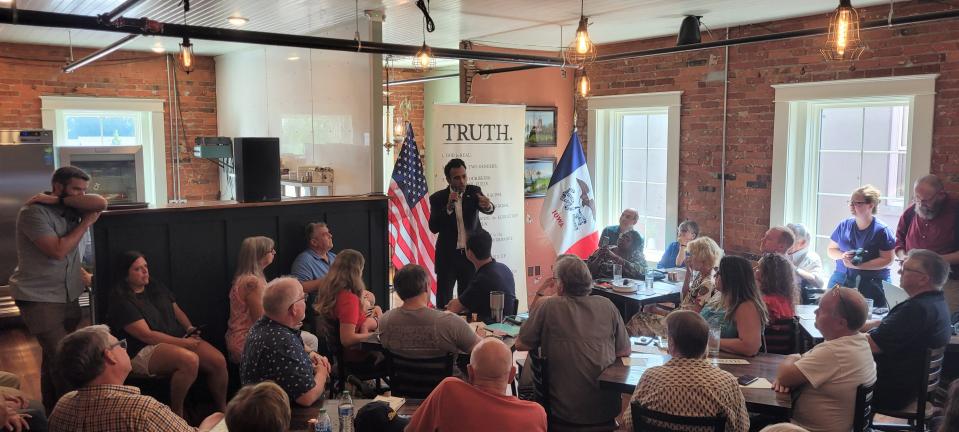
(650, 277)
(345, 412)
(323, 422)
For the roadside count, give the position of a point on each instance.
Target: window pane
(656, 166)
(841, 129)
(119, 130)
(656, 202)
(634, 165)
(655, 236)
(878, 129)
(832, 210)
(83, 130)
(885, 171)
(658, 130)
(634, 131)
(839, 172)
(633, 195)
(822, 245)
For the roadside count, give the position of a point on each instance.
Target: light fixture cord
(356, 16)
(425, 7)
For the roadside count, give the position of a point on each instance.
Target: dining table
(628, 303)
(759, 399)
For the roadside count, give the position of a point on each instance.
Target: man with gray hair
(274, 350)
(828, 375)
(899, 342)
(97, 363)
(932, 223)
(808, 264)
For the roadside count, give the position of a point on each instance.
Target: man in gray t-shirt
(415, 330)
(48, 281)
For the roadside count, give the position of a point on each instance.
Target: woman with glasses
(739, 311)
(162, 340)
(698, 289)
(675, 255)
(862, 246)
(774, 275)
(340, 307)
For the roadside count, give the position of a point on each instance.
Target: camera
(859, 256)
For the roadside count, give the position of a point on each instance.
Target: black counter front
(192, 248)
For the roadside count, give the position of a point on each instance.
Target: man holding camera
(454, 216)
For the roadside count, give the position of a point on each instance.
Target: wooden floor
(20, 354)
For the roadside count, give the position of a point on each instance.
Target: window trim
(601, 158)
(795, 102)
(153, 154)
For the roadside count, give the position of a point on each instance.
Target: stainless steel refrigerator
(26, 164)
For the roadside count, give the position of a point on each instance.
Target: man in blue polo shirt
(899, 342)
(311, 265)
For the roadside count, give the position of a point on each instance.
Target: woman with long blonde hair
(340, 302)
(246, 294)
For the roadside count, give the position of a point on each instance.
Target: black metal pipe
(82, 22)
(100, 53)
(912, 19)
(117, 11)
(456, 75)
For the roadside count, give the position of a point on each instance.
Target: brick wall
(408, 92)
(753, 69)
(30, 71)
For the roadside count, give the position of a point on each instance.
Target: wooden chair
(416, 378)
(539, 365)
(341, 370)
(918, 412)
(647, 420)
(862, 415)
(782, 337)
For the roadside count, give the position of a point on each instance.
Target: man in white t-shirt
(827, 376)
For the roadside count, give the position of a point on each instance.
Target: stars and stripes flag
(569, 213)
(411, 241)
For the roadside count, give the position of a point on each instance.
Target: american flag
(410, 238)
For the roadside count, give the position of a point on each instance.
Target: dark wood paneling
(194, 251)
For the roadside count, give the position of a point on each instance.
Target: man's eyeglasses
(122, 343)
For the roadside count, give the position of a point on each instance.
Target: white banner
(489, 138)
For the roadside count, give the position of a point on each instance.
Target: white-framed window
(833, 137)
(633, 153)
(101, 128)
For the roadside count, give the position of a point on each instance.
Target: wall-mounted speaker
(257, 165)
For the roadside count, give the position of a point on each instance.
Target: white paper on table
(761, 383)
(729, 361)
(634, 361)
(646, 349)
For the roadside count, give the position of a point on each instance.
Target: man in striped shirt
(95, 362)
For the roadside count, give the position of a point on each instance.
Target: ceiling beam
(146, 27)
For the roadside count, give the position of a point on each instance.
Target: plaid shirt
(113, 408)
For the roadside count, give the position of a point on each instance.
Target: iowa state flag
(569, 213)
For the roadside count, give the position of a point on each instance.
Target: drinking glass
(617, 272)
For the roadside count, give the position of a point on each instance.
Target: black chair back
(862, 415)
(514, 308)
(539, 365)
(416, 378)
(782, 337)
(647, 420)
(929, 380)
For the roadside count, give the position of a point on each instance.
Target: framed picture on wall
(540, 127)
(536, 176)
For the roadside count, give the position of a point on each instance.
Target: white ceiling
(525, 24)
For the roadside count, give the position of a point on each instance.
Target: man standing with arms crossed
(47, 282)
(454, 217)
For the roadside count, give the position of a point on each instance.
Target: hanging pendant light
(843, 42)
(581, 51)
(424, 60)
(582, 86)
(187, 60)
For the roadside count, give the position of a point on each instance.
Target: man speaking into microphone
(453, 217)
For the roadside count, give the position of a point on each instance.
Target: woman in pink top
(246, 295)
(774, 275)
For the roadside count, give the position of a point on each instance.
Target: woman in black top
(161, 339)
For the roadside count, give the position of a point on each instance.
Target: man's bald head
(280, 294)
(491, 360)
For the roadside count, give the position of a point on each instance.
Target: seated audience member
(739, 309)
(774, 275)
(246, 295)
(809, 270)
(675, 254)
(414, 330)
(262, 407)
(783, 427)
(312, 265)
(827, 376)
(862, 232)
(274, 350)
(627, 221)
(339, 302)
(577, 353)
(777, 240)
(377, 416)
(550, 286)
(688, 384)
(490, 276)
(97, 364)
(627, 253)
(22, 411)
(482, 403)
(698, 288)
(145, 312)
(899, 342)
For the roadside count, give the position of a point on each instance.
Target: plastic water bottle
(323, 422)
(346, 412)
(650, 277)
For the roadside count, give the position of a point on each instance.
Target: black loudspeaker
(257, 165)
